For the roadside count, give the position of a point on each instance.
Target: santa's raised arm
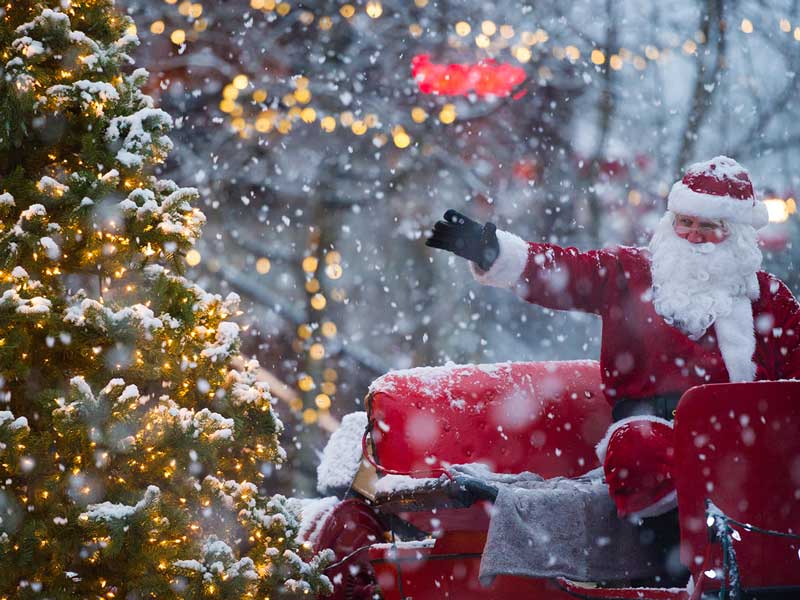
(692, 308)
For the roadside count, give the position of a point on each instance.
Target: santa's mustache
(702, 248)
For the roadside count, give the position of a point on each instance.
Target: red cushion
(738, 445)
(544, 417)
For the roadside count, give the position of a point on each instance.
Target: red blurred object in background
(485, 78)
(526, 169)
(774, 237)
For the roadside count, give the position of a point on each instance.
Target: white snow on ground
(342, 455)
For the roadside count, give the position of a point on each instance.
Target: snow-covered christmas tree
(133, 454)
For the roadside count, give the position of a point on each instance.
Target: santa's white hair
(695, 285)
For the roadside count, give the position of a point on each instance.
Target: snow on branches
(122, 379)
(108, 511)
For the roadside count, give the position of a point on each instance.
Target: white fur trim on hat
(602, 446)
(684, 200)
(736, 338)
(509, 265)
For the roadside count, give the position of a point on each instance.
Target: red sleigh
(737, 479)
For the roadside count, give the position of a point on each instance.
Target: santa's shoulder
(772, 287)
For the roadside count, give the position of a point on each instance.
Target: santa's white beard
(695, 285)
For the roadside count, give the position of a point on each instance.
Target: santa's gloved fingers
(465, 230)
(470, 489)
(441, 244)
(442, 226)
(489, 246)
(461, 220)
(487, 258)
(448, 237)
(457, 238)
(443, 233)
(453, 216)
(456, 246)
(489, 231)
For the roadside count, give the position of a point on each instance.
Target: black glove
(469, 239)
(469, 490)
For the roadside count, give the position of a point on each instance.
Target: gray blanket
(560, 528)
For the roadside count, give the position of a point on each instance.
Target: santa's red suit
(642, 355)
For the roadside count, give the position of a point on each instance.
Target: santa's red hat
(637, 455)
(719, 188)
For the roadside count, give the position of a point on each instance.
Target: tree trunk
(604, 114)
(706, 82)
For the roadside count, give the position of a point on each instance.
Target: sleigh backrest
(738, 445)
(544, 417)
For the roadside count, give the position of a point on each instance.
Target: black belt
(658, 406)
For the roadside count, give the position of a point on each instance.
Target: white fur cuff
(510, 263)
(602, 446)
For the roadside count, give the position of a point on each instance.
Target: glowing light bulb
(178, 37)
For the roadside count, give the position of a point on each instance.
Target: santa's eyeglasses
(685, 225)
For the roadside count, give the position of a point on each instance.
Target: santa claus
(692, 308)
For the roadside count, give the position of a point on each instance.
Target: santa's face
(699, 231)
(696, 282)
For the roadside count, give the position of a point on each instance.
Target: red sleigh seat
(738, 445)
(544, 417)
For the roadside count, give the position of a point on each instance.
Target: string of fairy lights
(312, 336)
(487, 35)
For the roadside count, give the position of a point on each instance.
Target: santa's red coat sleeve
(552, 276)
